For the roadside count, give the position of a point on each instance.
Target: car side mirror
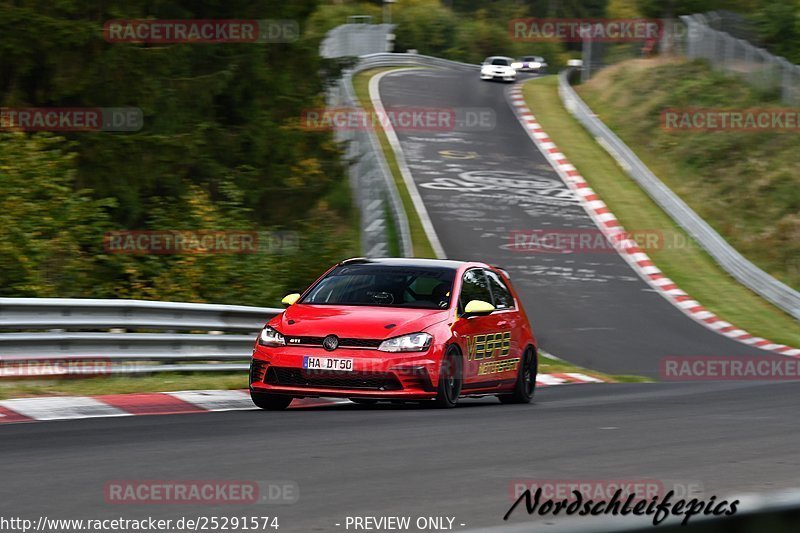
(290, 299)
(477, 308)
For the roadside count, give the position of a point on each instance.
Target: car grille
(343, 342)
(297, 377)
(257, 371)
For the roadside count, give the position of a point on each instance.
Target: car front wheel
(450, 380)
(270, 402)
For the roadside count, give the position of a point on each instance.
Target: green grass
(745, 184)
(391, 231)
(549, 364)
(14, 388)
(419, 239)
(690, 267)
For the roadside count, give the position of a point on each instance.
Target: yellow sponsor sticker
(489, 346)
(496, 367)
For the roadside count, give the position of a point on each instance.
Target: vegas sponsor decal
(487, 348)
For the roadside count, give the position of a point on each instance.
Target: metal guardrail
(723, 253)
(69, 330)
(370, 176)
(411, 60)
(737, 56)
(357, 39)
(77, 313)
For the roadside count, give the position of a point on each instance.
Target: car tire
(270, 402)
(450, 380)
(363, 401)
(525, 386)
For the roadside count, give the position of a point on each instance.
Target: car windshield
(384, 286)
(501, 61)
(529, 58)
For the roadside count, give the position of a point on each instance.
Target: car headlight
(415, 342)
(270, 337)
(536, 64)
(516, 65)
(485, 69)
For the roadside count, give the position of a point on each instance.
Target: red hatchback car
(398, 329)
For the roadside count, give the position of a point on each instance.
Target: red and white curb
(628, 249)
(182, 402)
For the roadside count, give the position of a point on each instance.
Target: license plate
(328, 363)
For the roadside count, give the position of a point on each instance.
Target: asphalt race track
(351, 460)
(396, 460)
(588, 307)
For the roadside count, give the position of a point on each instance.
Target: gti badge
(330, 343)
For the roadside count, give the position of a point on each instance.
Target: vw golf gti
(398, 329)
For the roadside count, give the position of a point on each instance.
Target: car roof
(413, 262)
(405, 262)
(499, 57)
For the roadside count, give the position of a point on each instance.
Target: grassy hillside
(689, 266)
(745, 184)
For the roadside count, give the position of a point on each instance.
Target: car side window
(475, 286)
(502, 296)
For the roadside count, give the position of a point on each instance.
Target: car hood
(362, 322)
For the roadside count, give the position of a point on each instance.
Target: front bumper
(498, 75)
(375, 374)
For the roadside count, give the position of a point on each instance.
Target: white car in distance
(531, 64)
(494, 67)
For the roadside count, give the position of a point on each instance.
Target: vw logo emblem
(330, 343)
